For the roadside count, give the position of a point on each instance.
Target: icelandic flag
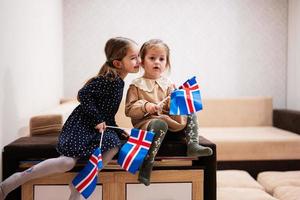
(186, 99)
(86, 180)
(135, 149)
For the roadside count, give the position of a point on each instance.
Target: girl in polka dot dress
(99, 101)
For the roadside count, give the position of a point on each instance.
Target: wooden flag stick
(102, 133)
(159, 104)
(165, 99)
(116, 127)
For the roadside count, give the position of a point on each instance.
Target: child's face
(155, 62)
(131, 62)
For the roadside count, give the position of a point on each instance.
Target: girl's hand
(152, 108)
(101, 127)
(125, 134)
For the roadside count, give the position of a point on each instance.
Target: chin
(156, 77)
(136, 70)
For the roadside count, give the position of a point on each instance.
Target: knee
(67, 163)
(158, 125)
(193, 117)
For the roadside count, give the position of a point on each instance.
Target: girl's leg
(160, 128)
(192, 138)
(75, 195)
(107, 157)
(50, 166)
(2, 196)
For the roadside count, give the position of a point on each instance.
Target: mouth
(156, 68)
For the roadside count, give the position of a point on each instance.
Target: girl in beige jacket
(147, 104)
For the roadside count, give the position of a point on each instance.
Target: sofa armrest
(50, 122)
(45, 125)
(287, 119)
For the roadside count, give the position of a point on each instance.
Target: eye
(161, 59)
(152, 58)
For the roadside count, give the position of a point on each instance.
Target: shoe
(197, 150)
(145, 173)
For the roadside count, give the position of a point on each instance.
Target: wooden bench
(26, 150)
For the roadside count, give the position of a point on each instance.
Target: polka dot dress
(99, 102)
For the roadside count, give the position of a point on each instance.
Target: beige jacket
(144, 90)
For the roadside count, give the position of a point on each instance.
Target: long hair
(115, 49)
(155, 43)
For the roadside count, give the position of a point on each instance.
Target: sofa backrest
(121, 118)
(251, 111)
(243, 111)
(227, 112)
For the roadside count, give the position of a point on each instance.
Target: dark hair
(115, 49)
(155, 43)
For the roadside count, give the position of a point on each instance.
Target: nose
(156, 60)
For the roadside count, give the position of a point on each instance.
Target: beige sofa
(242, 129)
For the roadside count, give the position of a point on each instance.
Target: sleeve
(95, 89)
(134, 107)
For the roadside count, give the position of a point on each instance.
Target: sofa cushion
(120, 117)
(272, 179)
(248, 111)
(253, 143)
(287, 193)
(232, 193)
(236, 178)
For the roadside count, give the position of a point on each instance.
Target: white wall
(235, 47)
(30, 62)
(293, 78)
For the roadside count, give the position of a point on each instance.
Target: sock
(195, 149)
(192, 137)
(2, 195)
(75, 195)
(109, 155)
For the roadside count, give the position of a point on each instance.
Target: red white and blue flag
(133, 152)
(86, 180)
(187, 99)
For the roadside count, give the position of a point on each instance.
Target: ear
(117, 64)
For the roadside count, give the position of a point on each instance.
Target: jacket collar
(148, 84)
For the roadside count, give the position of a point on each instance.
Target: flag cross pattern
(86, 180)
(188, 89)
(187, 99)
(134, 151)
(138, 143)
